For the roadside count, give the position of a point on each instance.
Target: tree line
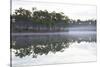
(39, 16)
(43, 20)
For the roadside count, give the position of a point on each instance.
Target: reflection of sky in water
(50, 49)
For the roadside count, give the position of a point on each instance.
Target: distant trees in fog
(37, 20)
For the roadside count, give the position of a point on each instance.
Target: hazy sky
(73, 11)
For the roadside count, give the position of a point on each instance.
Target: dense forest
(23, 20)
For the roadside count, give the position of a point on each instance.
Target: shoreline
(54, 33)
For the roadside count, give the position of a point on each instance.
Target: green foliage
(22, 14)
(39, 16)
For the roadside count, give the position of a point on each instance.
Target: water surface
(52, 48)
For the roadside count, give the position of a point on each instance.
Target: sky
(73, 11)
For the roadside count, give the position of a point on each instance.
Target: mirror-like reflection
(35, 45)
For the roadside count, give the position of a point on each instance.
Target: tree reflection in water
(26, 46)
(43, 44)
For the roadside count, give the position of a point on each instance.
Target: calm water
(52, 48)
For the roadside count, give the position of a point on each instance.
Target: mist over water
(52, 33)
(54, 47)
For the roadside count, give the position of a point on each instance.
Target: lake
(53, 48)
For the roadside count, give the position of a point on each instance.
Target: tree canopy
(39, 16)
